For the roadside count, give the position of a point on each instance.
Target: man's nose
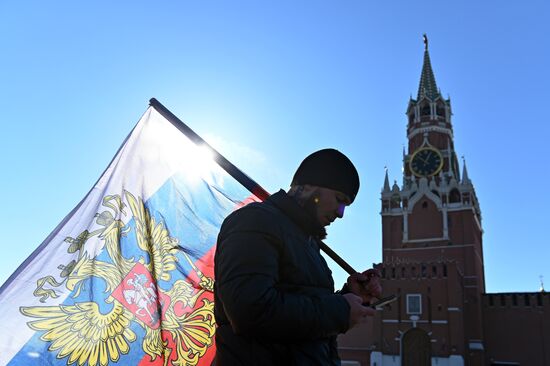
(340, 210)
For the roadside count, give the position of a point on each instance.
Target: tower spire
(386, 182)
(465, 178)
(427, 86)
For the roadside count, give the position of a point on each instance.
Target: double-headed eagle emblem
(178, 323)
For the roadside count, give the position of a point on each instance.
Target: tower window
(395, 201)
(440, 111)
(444, 270)
(454, 196)
(491, 301)
(502, 300)
(425, 111)
(515, 300)
(434, 271)
(414, 304)
(393, 272)
(424, 204)
(539, 300)
(527, 300)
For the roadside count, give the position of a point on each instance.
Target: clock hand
(429, 154)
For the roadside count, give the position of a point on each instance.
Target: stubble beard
(309, 203)
(310, 206)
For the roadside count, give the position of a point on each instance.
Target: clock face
(426, 161)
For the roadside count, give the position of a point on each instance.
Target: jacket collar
(297, 214)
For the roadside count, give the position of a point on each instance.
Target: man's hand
(366, 285)
(357, 312)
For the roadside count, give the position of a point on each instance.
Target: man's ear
(302, 192)
(309, 189)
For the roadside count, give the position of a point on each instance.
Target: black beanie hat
(328, 168)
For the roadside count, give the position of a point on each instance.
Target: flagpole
(236, 173)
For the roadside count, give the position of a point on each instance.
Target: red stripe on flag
(206, 266)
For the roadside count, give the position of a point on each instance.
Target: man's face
(327, 205)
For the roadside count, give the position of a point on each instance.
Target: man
(274, 294)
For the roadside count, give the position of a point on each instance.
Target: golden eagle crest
(178, 327)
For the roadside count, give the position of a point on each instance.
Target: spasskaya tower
(432, 242)
(432, 253)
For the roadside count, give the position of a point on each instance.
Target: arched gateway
(416, 349)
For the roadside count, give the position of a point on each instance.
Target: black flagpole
(231, 169)
(236, 173)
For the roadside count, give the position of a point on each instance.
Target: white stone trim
(455, 206)
(423, 190)
(477, 221)
(476, 345)
(395, 321)
(392, 213)
(415, 321)
(453, 309)
(449, 247)
(432, 248)
(445, 223)
(350, 363)
(405, 226)
(356, 348)
(380, 359)
(417, 131)
(424, 240)
(461, 208)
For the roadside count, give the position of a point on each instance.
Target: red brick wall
(426, 220)
(517, 331)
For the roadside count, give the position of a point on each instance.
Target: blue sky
(266, 83)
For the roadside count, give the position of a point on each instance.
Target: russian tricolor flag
(127, 276)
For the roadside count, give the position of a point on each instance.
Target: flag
(127, 277)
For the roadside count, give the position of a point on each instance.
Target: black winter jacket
(274, 293)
